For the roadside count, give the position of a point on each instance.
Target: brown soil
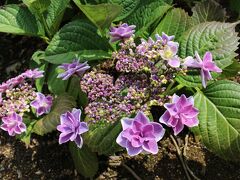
(45, 159)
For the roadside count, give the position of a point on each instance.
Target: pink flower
(179, 113)
(13, 124)
(140, 135)
(71, 127)
(15, 81)
(33, 74)
(206, 66)
(42, 104)
(123, 31)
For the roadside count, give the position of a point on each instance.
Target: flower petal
(151, 146)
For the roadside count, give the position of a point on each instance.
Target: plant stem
(43, 20)
(131, 171)
(180, 157)
(169, 86)
(185, 146)
(69, 84)
(172, 91)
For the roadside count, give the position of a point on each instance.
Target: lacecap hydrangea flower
(71, 127)
(70, 69)
(140, 135)
(123, 31)
(179, 113)
(13, 124)
(42, 104)
(206, 66)
(20, 79)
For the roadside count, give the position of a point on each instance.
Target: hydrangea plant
(101, 77)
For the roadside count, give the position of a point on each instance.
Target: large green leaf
(128, 7)
(19, 20)
(146, 14)
(219, 120)
(191, 80)
(101, 15)
(85, 161)
(219, 38)
(48, 123)
(208, 11)
(55, 14)
(232, 70)
(175, 23)
(83, 55)
(37, 6)
(102, 138)
(56, 85)
(75, 37)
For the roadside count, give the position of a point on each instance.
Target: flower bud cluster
(17, 100)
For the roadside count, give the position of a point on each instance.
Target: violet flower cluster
(18, 96)
(142, 77)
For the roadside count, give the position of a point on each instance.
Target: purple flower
(71, 128)
(169, 53)
(42, 103)
(33, 74)
(73, 68)
(179, 113)
(3, 87)
(15, 81)
(123, 31)
(140, 135)
(206, 65)
(13, 124)
(164, 39)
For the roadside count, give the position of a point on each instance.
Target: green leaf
(83, 55)
(48, 123)
(101, 15)
(19, 20)
(56, 85)
(128, 7)
(219, 120)
(208, 11)
(26, 136)
(232, 70)
(218, 38)
(37, 6)
(55, 14)
(40, 81)
(85, 161)
(193, 79)
(146, 14)
(175, 23)
(74, 88)
(75, 37)
(102, 138)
